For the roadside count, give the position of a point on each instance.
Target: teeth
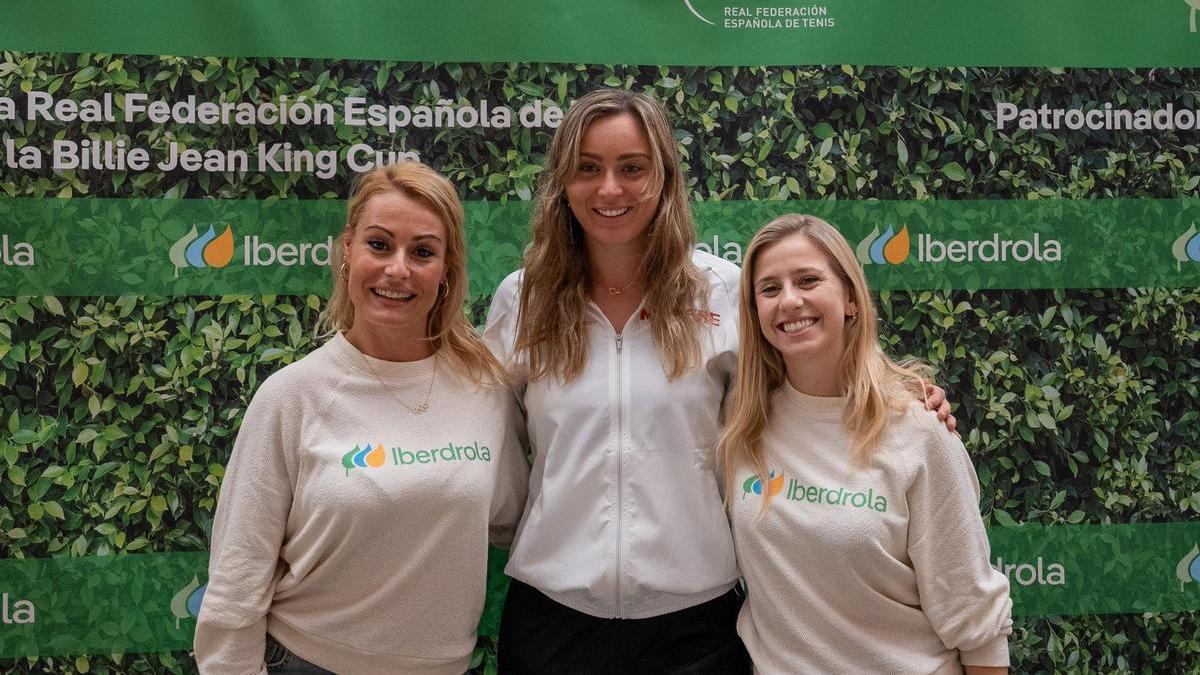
(797, 326)
(394, 295)
(613, 213)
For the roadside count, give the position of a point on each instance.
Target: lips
(614, 213)
(797, 326)
(392, 294)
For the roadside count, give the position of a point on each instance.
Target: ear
(851, 309)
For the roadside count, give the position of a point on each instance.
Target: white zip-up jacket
(624, 517)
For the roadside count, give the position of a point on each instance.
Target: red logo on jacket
(703, 316)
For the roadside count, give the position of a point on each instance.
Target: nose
(792, 296)
(610, 185)
(397, 266)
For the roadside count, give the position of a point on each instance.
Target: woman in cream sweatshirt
(855, 517)
(352, 527)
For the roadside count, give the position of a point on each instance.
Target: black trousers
(538, 635)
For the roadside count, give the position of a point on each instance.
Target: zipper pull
(618, 343)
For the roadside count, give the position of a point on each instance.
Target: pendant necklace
(414, 409)
(613, 290)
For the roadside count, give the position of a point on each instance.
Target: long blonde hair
(876, 386)
(557, 278)
(448, 325)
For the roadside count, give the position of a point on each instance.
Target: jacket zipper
(620, 460)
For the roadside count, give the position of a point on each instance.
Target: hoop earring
(344, 271)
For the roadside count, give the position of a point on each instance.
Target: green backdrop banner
(149, 602)
(215, 247)
(1102, 33)
(166, 220)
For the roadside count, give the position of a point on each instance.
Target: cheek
(765, 324)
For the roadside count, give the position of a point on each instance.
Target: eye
(809, 280)
(768, 290)
(425, 252)
(587, 167)
(633, 169)
(377, 244)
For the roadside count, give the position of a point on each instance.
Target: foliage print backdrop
(1079, 406)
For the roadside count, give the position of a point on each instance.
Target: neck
(616, 265)
(816, 377)
(390, 347)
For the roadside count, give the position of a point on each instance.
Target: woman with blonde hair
(353, 521)
(622, 340)
(855, 515)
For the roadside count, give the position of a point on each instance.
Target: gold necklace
(420, 407)
(613, 290)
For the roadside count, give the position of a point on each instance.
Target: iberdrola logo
(1188, 569)
(186, 603)
(880, 249)
(363, 457)
(1186, 248)
(753, 484)
(207, 250)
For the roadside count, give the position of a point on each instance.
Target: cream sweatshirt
(865, 570)
(354, 531)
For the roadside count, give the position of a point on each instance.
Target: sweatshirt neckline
(400, 371)
(814, 406)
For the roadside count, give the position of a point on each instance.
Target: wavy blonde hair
(557, 280)
(447, 324)
(875, 385)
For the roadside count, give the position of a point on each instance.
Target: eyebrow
(798, 270)
(628, 155)
(419, 237)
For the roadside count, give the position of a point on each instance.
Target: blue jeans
(280, 659)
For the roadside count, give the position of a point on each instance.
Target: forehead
(617, 134)
(396, 211)
(793, 252)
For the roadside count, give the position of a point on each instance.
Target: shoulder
(294, 387)
(924, 438)
(716, 269)
(499, 333)
(507, 296)
(314, 368)
(723, 277)
(475, 403)
(509, 289)
(512, 282)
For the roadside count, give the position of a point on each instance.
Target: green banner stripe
(88, 247)
(1100, 569)
(149, 602)
(1101, 33)
(133, 603)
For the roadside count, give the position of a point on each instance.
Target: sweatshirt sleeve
(965, 599)
(248, 530)
(512, 477)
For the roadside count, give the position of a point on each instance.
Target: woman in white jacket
(622, 340)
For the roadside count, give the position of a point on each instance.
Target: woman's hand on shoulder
(935, 400)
